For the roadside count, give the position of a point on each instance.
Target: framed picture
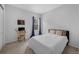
(20, 22)
(21, 28)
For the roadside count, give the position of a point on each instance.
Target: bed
(49, 43)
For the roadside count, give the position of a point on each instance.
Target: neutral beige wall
(65, 17)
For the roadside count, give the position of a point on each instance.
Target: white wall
(1, 27)
(64, 17)
(3, 41)
(12, 14)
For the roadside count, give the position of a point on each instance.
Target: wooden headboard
(66, 32)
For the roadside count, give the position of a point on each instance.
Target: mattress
(48, 44)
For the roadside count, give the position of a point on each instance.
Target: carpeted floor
(71, 50)
(21, 48)
(15, 48)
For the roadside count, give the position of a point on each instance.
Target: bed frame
(67, 33)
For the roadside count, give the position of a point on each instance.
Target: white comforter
(48, 44)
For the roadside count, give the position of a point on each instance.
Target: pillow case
(53, 31)
(59, 32)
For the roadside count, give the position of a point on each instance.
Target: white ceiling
(37, 8)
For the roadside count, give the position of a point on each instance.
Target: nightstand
(21, 35)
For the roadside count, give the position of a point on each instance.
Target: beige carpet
(21, 48)
(15, 48)
(71, 50)
(29, 51)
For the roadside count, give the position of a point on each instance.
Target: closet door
(1, 27)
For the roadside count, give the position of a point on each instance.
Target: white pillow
(53, 31)
(59, 32)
